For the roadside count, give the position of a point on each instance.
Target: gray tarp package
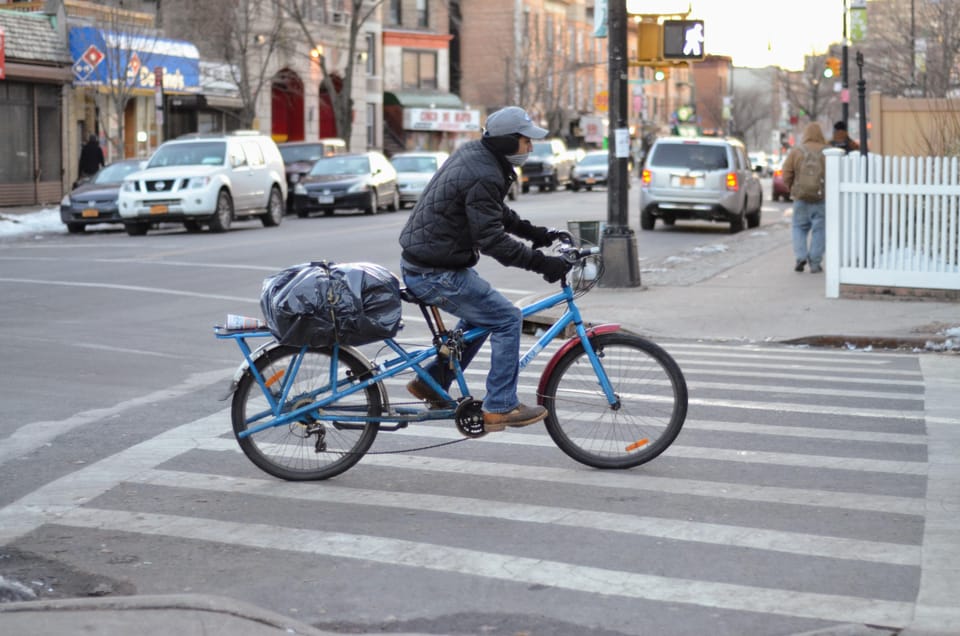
(320, 303)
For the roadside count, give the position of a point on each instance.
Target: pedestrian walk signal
(683, 40)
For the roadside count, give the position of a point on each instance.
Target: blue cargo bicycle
(615, 399)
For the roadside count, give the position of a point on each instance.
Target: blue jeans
(464, 294)
(809, 218)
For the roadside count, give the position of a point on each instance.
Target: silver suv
(707, 178)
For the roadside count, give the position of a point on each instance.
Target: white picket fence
(892, 221)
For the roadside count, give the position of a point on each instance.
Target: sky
(744, 29)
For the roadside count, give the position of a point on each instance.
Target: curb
(261, 620)
(923, 343)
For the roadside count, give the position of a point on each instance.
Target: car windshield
(415, 164)
(206, 153)
(542, 149)
(305, 152)
(341, 165)
(595, 160)
(693, 156)
(115, 172)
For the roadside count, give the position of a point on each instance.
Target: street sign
(683, 40)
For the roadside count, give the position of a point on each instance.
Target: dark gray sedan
(94, 200)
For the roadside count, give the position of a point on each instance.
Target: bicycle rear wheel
(306, 448)
(651, 407)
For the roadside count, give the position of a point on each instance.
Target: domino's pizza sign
(107, 58)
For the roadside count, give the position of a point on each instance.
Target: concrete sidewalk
(749, 292)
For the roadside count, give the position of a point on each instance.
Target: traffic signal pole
(619, 243)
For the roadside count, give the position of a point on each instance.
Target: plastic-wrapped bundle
(317, 304)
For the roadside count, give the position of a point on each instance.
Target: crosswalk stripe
(630, 481)
(505, 567)
(808, 432)
(673, 529)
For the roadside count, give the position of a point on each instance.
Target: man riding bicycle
(460, 215)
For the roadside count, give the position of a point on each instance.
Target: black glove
(551, 267)
(542, 236)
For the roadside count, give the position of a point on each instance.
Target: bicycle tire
(288, 451)
(652, 404)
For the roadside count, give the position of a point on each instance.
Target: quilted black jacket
(461, 214)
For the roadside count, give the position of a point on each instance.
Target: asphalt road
(773, 512)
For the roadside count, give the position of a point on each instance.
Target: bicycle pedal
(469, 418)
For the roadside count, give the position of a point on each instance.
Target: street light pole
(618, 245)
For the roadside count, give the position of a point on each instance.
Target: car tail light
(645, 178)
(732, 184)
(777, 174)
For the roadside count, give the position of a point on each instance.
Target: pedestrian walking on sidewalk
(461, 215)
(804, 171)
(91, 157)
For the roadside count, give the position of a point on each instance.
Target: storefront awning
(102, 58)
(421, 99)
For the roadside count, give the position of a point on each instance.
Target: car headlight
(65, 201)
(299, 189)
(359, 186)
(198, 182)
(129, 186)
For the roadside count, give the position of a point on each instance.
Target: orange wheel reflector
(637, 444)
(275, 377)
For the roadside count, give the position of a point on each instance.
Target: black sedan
(94, 200)
(360, 181)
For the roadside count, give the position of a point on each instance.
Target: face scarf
(518, 160)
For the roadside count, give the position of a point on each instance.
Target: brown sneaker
(422, 391)
(520, 416)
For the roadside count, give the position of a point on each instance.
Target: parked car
(364, 181)
(549, 165)
(299, 157)
(591, 170)
(414, 171)
(94, 199)
(707, 178)
(206, 180)
(780, 189)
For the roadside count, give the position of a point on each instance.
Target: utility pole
(619, 243)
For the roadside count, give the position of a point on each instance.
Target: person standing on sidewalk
(804, 171)
(461, 215)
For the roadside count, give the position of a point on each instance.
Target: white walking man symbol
(694, 41)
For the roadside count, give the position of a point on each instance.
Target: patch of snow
(46, 221)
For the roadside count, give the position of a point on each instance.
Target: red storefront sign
(3, 59)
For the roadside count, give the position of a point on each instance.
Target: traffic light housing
(831, 67)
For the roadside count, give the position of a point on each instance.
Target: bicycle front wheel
(649, 412)
(305, 448)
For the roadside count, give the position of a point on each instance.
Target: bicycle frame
(405, 360)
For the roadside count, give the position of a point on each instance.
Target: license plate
(90, 214)
(590, 180)
(325, 198)
(158, 209)
(688, 181)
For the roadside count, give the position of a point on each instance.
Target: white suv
(206, 180)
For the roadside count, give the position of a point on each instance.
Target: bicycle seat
(407, 295)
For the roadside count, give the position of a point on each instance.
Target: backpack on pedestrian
(808, 184)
